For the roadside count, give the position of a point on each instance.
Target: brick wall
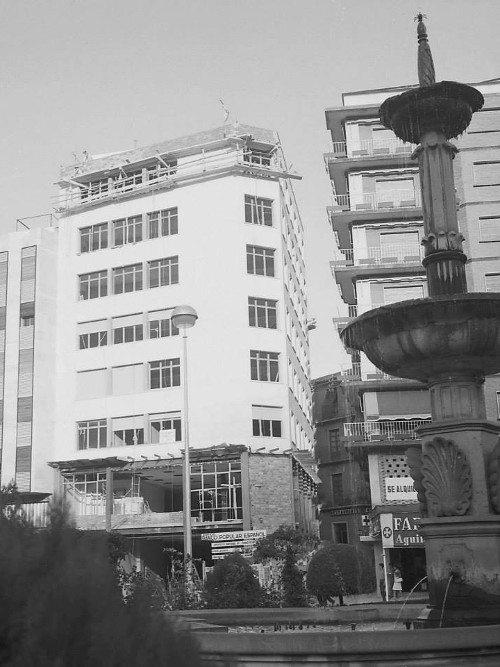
(271, 500)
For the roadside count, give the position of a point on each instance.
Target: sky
(106, 75)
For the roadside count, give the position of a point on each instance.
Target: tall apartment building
(92, 377)
(365, 419)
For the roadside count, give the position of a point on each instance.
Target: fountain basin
(429, 338)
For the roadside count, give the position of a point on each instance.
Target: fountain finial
(426, 74)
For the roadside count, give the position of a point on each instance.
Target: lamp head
(184, 317)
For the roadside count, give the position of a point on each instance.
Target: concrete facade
(208, 220)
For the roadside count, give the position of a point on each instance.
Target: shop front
(403, 550)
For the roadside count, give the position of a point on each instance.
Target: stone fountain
(449, 341)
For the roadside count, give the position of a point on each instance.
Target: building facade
(208, 220)
(376, 217)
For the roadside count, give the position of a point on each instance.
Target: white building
(208, 220)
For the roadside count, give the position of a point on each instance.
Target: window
(127, 230)
(260, 261)
(128, 431)
(257, 157)
(337, 489)
(489, 228)
(85, 483)
(269, 428)
(258, 211)
(92, 334)
(165, 373)
(164, 272)
(93, 285)
(127, 329)
(486, 173)
(160, 324)
(94, 237)
(165, 427)
(340, 533)
(492, 282)
(402, 293)
(27, 320)
(92, 434)
(127, 278)
(216, 491)
(396, 190)
(264, 366)
(161, 170)
(163, 223)
(262, 313)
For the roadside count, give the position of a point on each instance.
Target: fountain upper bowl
(430, 338)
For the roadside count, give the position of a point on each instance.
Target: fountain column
(449, 341)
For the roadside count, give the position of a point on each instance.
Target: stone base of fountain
(463, 562)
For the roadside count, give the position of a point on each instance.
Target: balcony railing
(371, 201)
(384, 430)
(368, 148)
(390, 254)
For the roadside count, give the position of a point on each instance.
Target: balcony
(377, 256)
(367, 148)
(373, 201)
(354, 372)
(383, 430)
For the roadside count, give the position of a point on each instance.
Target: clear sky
(100, 75)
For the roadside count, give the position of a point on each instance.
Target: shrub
(335, 569)
(232, 584)
(294, 593)
(274, 546)
(62, 604)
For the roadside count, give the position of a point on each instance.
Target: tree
(232, 584)
(335, 569)
(62, 604)
(275, 545)
(292, 581)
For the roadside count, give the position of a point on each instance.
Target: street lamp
(184, 317)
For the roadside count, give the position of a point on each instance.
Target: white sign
(236, 535)
(167, 436)
(400, 488)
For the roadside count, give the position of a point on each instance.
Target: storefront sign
(399, 488)
(226, 543)
(400, 530)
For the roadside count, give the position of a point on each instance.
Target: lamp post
(184, 317)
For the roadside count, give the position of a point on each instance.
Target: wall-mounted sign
(400, 530)
(167, 436)
(226, 543)
(399, 488)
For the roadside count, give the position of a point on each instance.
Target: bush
(294, 592)
(274, 546)
(62, 604)
(335, 569)
(232, 584)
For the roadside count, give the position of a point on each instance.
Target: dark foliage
(232, 584)
(336, 569)
(294, 592)
(62, 605)
(275, 545)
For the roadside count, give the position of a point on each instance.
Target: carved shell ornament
(414, 460)
(447, 479)
(493, 472)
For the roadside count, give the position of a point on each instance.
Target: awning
(410, 404)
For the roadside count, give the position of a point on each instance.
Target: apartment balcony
(381, 431)
(380, 256)
(366, 156)
(400, 261)
(354, 373)
(376, 201)
(367, 148)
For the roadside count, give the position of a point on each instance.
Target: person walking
(398, 581)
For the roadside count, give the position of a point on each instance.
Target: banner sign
(399, 488)
(400, 530)
(226, 543)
